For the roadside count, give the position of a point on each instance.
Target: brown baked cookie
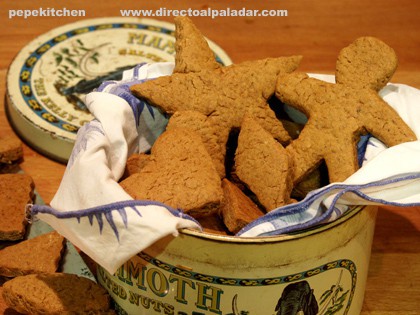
(37, 255)
(209, 134)
(237, 209)
(223, 94)
(213, 224)
(4, 309)
(192, 50)
(338, 114)
(16, 191)
(10, 150)
(56, 293)
(366, 63)
(180, 174)
(135, 163)
(263, 165)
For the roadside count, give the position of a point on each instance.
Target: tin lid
(48, 78)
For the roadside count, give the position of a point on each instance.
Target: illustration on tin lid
(50, 76)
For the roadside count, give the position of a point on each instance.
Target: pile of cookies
(230, 153)
(29, 279)
(17, 190)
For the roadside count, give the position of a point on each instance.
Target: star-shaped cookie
(338, 114)
(192, 52)
(223, 94)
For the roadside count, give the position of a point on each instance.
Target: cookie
(209, 135)
(180, 173)
(338, 114)
(56, 293)
(237, 209)
(192, 52)
(37, 255)
(135, 163)
(10, 150)
(17, 190)
(223, 94)
(213, 224)
(4, 309)
(263, 165)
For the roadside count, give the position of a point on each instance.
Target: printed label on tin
(145, 285)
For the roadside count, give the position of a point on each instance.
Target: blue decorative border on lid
(25, 85)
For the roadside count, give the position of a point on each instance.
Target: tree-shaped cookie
(338, 114)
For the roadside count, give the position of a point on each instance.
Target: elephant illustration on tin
(297, 299)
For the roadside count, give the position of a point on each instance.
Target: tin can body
(319, 271)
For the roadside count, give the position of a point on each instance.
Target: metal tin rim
(22, 126)
(273, 239)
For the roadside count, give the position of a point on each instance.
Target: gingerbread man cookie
(338, 114)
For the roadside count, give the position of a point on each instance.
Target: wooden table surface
(315, 29)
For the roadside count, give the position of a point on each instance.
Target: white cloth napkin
(92, 211)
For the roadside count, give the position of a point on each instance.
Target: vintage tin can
(317, 271)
